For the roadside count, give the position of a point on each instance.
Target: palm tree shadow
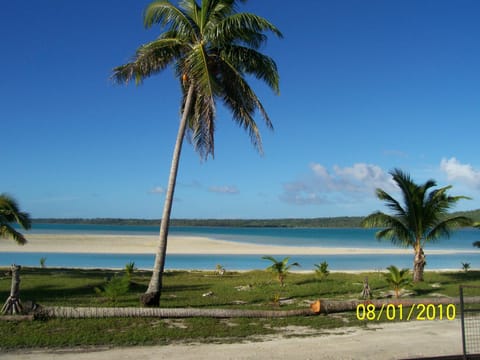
(464, 276)
(47, 293)
(424, 292)
(309, 281)
(179, 288)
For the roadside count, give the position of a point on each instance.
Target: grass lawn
(246, 290)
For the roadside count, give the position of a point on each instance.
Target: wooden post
(13, 306)
(366, 293)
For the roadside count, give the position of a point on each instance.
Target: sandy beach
(403, 340)
(146, 244)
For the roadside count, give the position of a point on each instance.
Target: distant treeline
(337, 222)
(330, 222)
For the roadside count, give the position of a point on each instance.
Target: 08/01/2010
(393, 312)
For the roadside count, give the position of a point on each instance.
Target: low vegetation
(322, 270)
(233, 290)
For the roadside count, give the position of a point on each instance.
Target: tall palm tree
(10, 213)
(423, 217)
(212, 48)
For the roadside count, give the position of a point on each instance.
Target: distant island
(324, 222)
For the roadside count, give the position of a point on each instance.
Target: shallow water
(355, 237)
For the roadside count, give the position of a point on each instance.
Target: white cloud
(342, 184)
(364, 177)
(224, 189)
(157, 190)
(463, 173)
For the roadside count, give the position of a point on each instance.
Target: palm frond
(245, 28)
(10, 212)
(216, 11)
(242, 101)
(390, 202)
(149, 60)
(201, 118)
(292, 265)
(445, 227)
(271, 258)
(6, 231)
(165, 14)
(394, 229)
(250, 61)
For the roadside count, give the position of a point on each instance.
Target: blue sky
(366, 86)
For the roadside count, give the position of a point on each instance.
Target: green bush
(115, 288)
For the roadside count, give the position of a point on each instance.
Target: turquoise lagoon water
(345, 238)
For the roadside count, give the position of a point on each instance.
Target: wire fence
(470, 322)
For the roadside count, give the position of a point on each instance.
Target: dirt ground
(401, 340)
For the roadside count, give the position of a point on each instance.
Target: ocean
(298, 237)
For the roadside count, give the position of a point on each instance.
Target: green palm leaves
(213, 48)
(397, 278)
(280, 267)
(10, 213)
(421, 216)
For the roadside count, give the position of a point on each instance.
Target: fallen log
(318, 307)
(97, 312)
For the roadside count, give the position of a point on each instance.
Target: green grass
(72, 287)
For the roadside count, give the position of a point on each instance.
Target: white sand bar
(146, 244)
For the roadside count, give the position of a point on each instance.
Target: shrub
(129, 269)
(322, 270)
(116, 287)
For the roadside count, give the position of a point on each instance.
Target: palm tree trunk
(92, 312)
(418, 264)
(13, 305)
(152, 295)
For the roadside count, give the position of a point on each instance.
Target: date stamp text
(398, 312)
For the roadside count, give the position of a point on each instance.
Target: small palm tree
(130, 268)
(280, 268)
(423, 217)
(10, 213)
(322, 270)
(213, 49)
(397, 278)
(465, 266)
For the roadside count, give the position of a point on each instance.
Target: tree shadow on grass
(464, 276)
(69, 272)
(180, 288)
(422, 292)
(308, 281)
(51, 293)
